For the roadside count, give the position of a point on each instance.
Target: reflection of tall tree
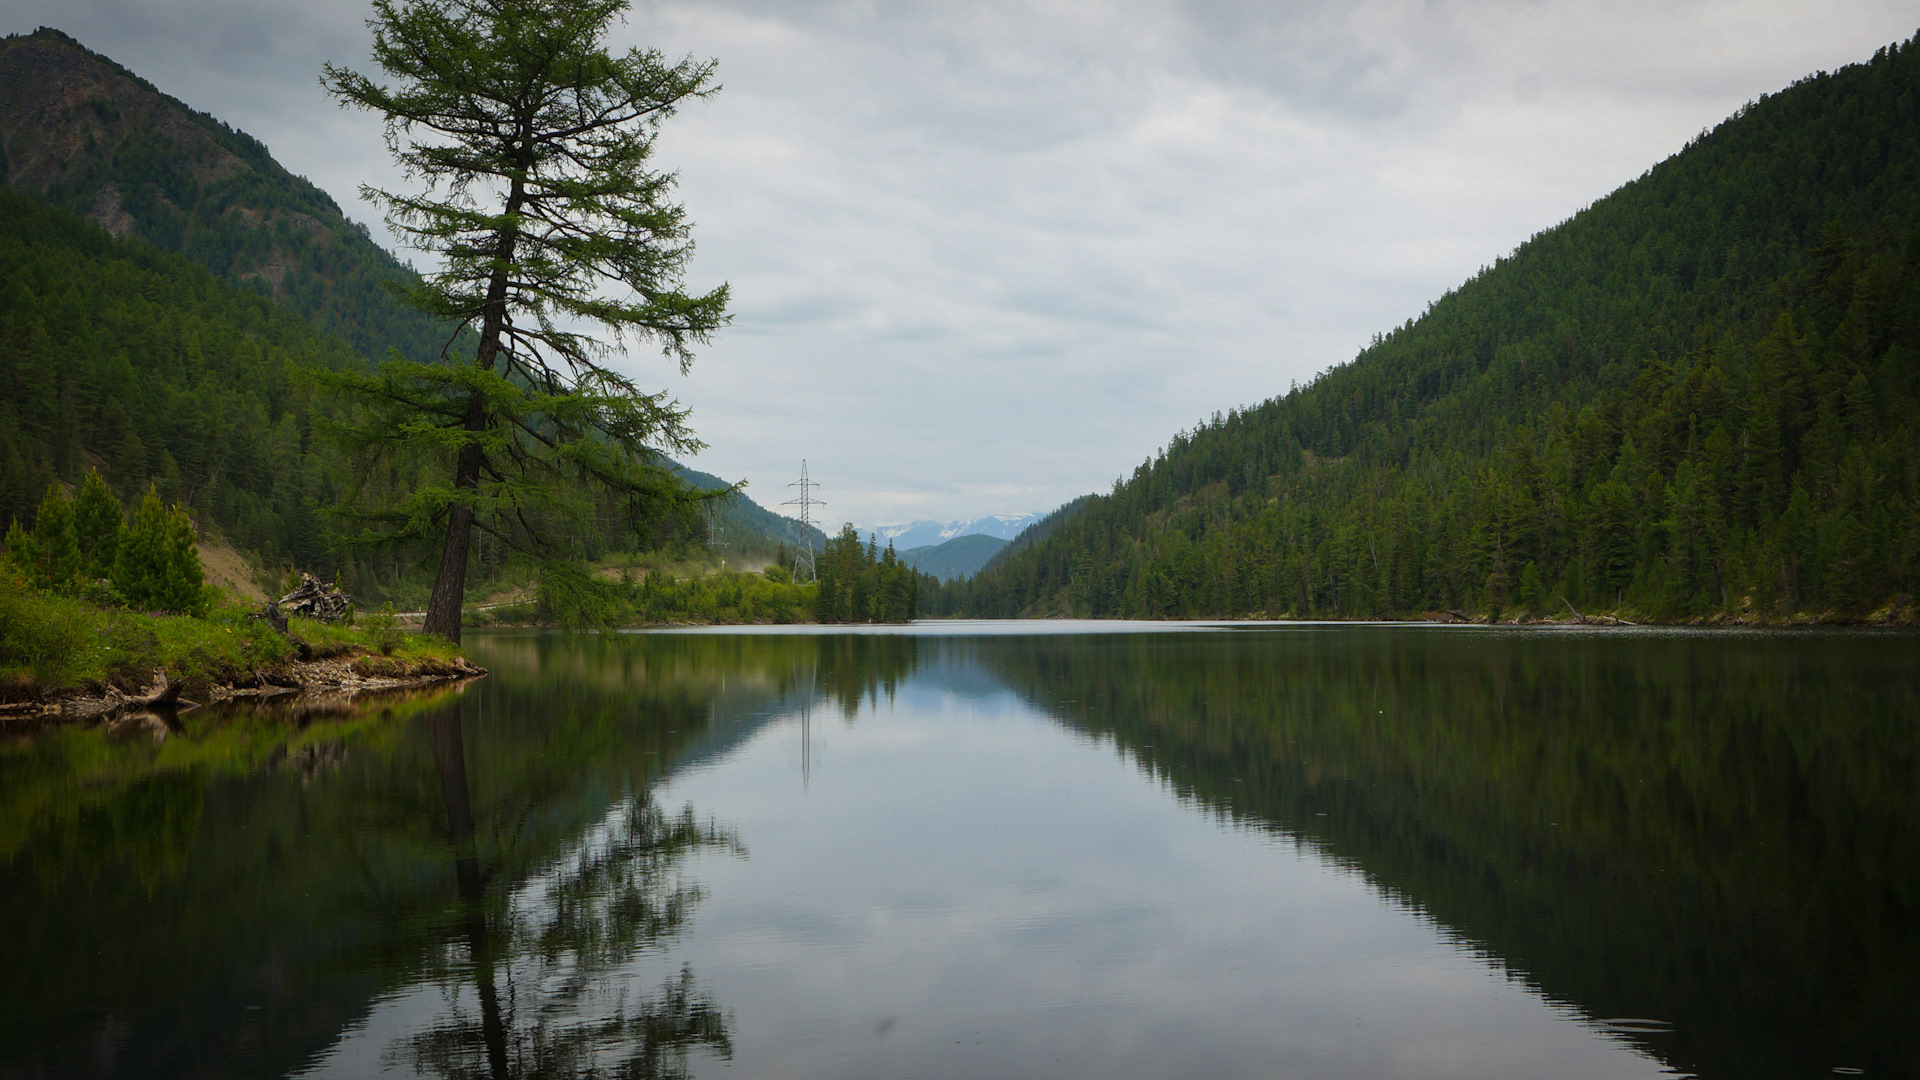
(560, 945)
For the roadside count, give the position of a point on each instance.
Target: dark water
(1312, 852)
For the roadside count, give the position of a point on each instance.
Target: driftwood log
(1579, 618)
(162, 695)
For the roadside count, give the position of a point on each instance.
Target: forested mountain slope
(1696, 397)
(146, 366)
(169, 348)
(84, 133)
(959, 557)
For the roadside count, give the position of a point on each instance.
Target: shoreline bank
(346, 673)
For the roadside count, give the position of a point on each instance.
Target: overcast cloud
(988, 256)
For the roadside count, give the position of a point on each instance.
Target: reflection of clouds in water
(1016, 905)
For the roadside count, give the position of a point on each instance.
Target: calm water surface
(987, 851)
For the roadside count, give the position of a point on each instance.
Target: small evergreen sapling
(98, 523)
(158, 568)
(49, 556)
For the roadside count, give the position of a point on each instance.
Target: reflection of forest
(225, 899)
(227, 896)
(1714, 831)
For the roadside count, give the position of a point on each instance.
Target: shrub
(46, 637)
(383, 630)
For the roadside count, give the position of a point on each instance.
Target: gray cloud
(988, 256)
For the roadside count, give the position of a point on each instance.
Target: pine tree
(157, 568)
(49, 556)
(185, 581)
(98, 523)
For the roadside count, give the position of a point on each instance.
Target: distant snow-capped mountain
(927, 533)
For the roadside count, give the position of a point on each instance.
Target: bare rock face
(66, 115)
(316, 599)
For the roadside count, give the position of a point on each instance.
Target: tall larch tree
(531, 145)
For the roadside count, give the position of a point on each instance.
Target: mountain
(86, 134)
(917, 534)
(144, 365)
(1697, 398)
(163, 284)
(960, 557)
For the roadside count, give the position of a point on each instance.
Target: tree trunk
(450, 585)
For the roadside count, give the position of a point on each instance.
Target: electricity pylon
(803, 547)
(714, 543)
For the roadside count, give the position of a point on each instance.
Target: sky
(988, 256)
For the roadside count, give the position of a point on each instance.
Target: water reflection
(229, 899)
(1702, 847)
(567, 1012)
(1715, 831)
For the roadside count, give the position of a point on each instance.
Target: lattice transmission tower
(803, 548)
(715, 542)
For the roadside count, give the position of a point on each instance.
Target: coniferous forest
(1694, 399)
(170, 338)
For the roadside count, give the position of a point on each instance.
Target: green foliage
(61, 643)
(858, 583)
(534, 143)
(98, 525)
(55, 643)
(157, 567)
(569, 596)
(369, 633)
(1695, 399)
(49, 556)
(383, 630)
(39, 637)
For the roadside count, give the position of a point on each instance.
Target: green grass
(53, 644)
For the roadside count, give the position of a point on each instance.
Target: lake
(995, 850)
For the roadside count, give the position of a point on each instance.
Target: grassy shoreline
(59, 652)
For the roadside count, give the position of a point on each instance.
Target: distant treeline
(1695, 398)
(860, 582)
